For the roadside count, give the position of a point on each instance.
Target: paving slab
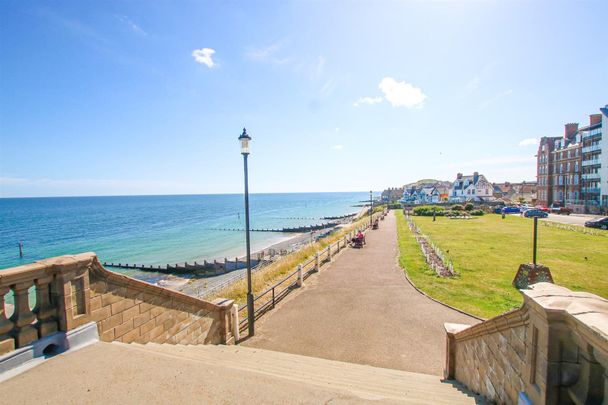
(361, 309)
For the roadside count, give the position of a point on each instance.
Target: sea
(157, 230)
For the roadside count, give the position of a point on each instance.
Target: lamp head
(244, 139)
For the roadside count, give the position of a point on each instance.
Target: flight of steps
(369, 383)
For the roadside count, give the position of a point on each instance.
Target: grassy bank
(486, 253)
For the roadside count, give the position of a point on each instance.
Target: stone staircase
(364, 382)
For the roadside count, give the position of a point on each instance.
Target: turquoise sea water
(155, 229)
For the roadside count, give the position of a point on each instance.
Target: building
(471, 188)
(392, 194)
(427, 194)
(525, 191)
(594, 176)
(567, 168)
(572, 170)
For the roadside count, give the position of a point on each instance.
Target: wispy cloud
(485, 104)
(317, 68)
(402, 94)
(134, 27)
(204, 56)
(268, 54)
(472, 85)
(337, 147)
(367, 100)
(528, 142)
(491, 161)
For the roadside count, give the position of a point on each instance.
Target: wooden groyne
(297, 229)
(205, 269)
(347, 216)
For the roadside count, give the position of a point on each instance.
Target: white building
(474, 187)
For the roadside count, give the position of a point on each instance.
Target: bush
(456, 207)
(477, 212)
(428, 210)
(469, 207)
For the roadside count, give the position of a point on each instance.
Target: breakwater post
(300, 281)
(20, 250)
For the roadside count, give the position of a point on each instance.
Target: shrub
(456, 207)
(428, 210)
(477, 212)
(469, 207)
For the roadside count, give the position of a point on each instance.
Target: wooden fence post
(317, 261)
(300, 281)
(329, 252)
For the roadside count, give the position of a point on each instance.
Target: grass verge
(486, 253)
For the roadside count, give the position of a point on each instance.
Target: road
(573, 219)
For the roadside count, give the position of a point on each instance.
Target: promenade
(361, 309)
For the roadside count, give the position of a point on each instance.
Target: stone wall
(75, 290)
(494, 353)
(553, 350)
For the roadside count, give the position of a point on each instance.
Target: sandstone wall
(74, 290)
(553, 350)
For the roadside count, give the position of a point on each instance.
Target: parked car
(534, 212)
(601, 223)
(559, 209)
(544, 209)
(510, 210)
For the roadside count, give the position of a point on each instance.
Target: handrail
(327, 251)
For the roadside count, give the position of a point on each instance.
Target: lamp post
(371, 209)
(244, 139)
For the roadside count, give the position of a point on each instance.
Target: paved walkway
(361, 309)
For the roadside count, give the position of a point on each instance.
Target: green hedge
(428, 211)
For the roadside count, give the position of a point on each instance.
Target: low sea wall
(552, 350)
(74, 290)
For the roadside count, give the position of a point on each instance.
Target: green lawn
(486, 253)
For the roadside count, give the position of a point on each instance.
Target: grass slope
(487, 251)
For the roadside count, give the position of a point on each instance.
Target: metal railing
(591, 148)
(591, 162)
(283, 287)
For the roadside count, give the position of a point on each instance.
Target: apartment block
(572, 170)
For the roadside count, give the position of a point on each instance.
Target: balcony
(591, 162)
(590, 176)
(593, 134)
(590, 190)
(591, 148)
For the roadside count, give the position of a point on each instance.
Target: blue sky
(134, 97)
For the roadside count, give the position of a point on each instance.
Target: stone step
(366, 381)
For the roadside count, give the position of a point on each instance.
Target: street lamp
(244, 139)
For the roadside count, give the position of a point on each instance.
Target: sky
(149, 97)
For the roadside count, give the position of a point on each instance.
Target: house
(471, 188)
(392, 194)
(421, 195)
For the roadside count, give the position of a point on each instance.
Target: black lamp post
(371, 209)
(244, 139)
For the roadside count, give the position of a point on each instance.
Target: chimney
(570, 130)
(595, 119)
(475, 177)
(459, 176)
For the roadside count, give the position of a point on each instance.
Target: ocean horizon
(157, 229)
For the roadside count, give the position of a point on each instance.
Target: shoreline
(182, 284)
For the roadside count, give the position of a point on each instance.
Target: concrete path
(361, 309)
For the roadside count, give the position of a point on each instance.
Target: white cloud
(401, 94)
(204, 56)
(317, 68)
(268, 54)
(134, 27)
(485, 104)
(337, 147)
(473, 85)
(367, 100)
(528, 142)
